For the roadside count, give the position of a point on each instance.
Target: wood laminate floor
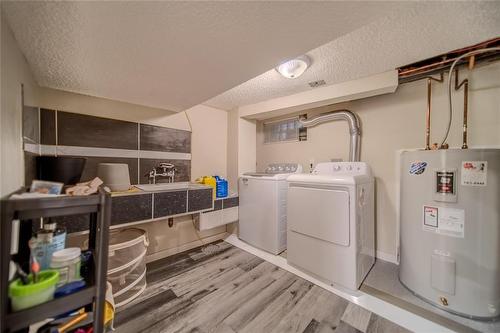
(221, 288)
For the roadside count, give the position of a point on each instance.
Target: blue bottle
(221, 187)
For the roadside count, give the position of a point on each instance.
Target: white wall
(393, 122)
(232, 150)
(242, 153)
(208, 141)
(14, 72)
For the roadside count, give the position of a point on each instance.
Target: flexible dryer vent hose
(354, 128)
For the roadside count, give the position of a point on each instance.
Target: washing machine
(331, 229)
(262, 207)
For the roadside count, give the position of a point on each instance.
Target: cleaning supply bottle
(210, 181)
(47, 241)
(221, 187)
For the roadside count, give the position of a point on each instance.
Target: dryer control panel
(351, 168)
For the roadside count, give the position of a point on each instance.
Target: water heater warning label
(474, 173)
(444, 221)
(430, 216)
(445, 182)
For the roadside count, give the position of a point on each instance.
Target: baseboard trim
(387, 257)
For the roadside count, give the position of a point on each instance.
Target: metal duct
(354, 128)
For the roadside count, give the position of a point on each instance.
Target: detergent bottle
(210, 181)
(221, 187)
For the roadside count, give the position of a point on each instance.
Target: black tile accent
(47, 127)
(231, 202)
(200, 199)
(165, 139)
(29, 168)
(90, 169)
(170, 203)
(131, 208)
(90, 131)
(217, 204)
(182, 173)
(73, 223)
(30, 125)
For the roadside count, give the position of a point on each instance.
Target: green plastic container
(25, 296)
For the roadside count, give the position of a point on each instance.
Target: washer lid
(266, 176)
(276, 171)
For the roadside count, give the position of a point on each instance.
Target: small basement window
(285, 130)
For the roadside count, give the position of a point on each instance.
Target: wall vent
(318, 83)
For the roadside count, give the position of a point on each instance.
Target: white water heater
(450, 229)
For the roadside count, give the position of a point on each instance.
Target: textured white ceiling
(172, 55)
(412, 33)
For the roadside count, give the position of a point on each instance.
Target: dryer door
(319, 212)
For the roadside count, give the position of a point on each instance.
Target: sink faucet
(166, 170)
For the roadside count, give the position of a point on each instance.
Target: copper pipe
(466, 102)
(422, 68)
(472, 62)
(445, 60)
(428, 116)
(465, 84)
(428, 113)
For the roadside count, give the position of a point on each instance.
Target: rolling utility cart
(23, 212)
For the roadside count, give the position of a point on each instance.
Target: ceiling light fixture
(294, 68)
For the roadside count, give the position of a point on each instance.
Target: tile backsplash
(47, 127)
(104, 140)
(164, 139)
(88, 131)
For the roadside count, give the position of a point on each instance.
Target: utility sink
(169, 186)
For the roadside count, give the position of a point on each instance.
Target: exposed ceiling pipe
(354, 128)
(442, 63)
(428, 113)
(465, 84)
(452, 67)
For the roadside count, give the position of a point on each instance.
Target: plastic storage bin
(132, 290)
(127, 264)
(67, 263)
(25, 296)
(125, 276)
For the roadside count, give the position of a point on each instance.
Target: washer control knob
(349, 167)
(336, 168)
